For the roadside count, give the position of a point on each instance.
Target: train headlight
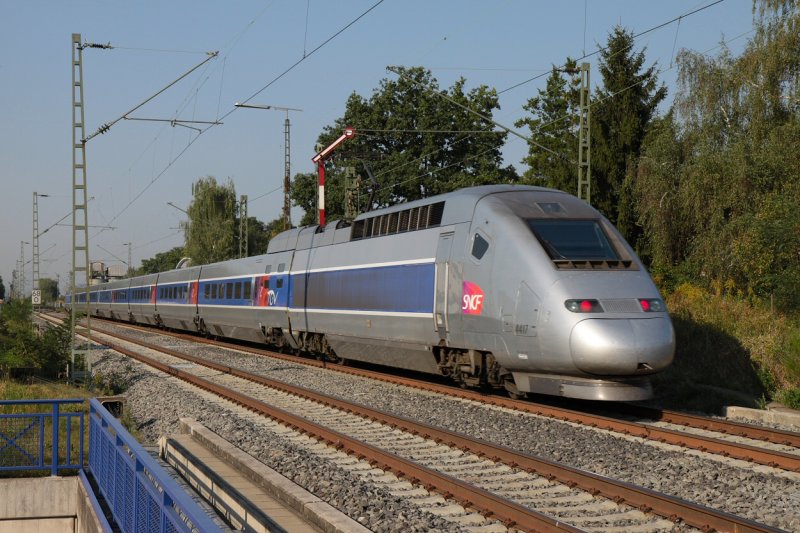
(583, 306)
(653, 305)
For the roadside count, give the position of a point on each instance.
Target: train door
(440, 318)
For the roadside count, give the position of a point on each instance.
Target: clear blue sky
(134, 169)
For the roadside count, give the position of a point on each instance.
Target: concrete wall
(46, 505)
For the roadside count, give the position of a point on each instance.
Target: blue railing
(24, 436)
(141, 496)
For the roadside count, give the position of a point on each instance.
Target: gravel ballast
(763, 494)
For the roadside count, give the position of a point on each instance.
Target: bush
(731, 349)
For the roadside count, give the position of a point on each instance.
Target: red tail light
(652, 305)
(583, 306)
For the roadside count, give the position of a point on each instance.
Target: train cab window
(573, 239)
(479, 246)
(237, 294)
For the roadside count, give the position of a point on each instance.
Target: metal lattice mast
(22, 269)
(287, 171)
(243, 226)
(14, 282)
(80, 215)
(584, 140)
(35, 244)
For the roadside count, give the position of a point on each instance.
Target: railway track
(756, 444)
(518, 489)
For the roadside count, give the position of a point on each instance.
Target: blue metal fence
(141, 496)
(24, 436)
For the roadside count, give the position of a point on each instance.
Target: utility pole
(22, 268)
(80, 215)
(584, 140)
(243, 226)
(287, 167)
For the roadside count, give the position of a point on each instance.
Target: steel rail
(712, 445)
(739, 429)
(745, 452)
(506, 511)
(641, 498)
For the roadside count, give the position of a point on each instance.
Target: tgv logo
(472, 301)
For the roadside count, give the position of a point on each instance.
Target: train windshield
(573, 239)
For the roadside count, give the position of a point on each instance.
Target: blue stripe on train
(401, 288)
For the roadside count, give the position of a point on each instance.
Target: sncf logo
(472, 301)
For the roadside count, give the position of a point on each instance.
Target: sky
(135, 168)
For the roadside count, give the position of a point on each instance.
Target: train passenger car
(115, 300)
(142, 299)
(225, 294)
(176, 298)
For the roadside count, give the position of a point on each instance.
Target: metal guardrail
(24, 436)
(141, 496)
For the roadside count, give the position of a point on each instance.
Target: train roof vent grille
(413, 219)
(595, 264)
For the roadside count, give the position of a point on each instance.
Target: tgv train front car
(580, 316)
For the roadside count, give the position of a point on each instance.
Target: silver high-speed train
(520, 287)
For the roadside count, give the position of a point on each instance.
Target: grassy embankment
(730, 351)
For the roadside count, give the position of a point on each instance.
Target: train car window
(479, 246)
(229, 292)
(281, 267)
(214, 291)
(279, 283)
(268, 269)
(573, 239)
(248, 289)
(208, 291)
(238, 290)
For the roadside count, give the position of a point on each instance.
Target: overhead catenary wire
(600, 49)
(107, 126)
(199, 134)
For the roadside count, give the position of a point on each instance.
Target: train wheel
(513, 391)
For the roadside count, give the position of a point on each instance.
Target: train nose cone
(622, 346)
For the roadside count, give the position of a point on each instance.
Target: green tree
(719, 179)
(212, 228)
(417, 144)
(49, 289)
(2, 289)
(21, 346)
(554, 125)
(161, 262)
(622, 110)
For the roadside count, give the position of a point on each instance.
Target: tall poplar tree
(210, 231)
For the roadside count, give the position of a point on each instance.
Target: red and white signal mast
(319, 159)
